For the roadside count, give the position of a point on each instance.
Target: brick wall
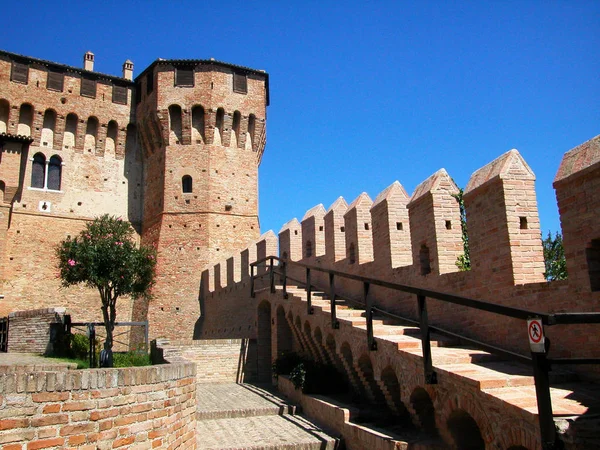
(29, 331)
(99, 408)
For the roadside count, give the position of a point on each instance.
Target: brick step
(498, 374)
(262, 432)
(230, 400)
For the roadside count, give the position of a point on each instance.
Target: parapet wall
(416, 241)
(30, 331)
(150, 407)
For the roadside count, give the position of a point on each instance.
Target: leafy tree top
(104, 256)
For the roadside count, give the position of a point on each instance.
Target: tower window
(46, 175)
(19, 73)
(55, 81)
(186, 184)
(119, 95)
(240, 83)
(184, 77)
(88, 88)
(149, 82)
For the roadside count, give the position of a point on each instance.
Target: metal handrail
(541, 363)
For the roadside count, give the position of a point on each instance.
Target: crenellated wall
(417, 240)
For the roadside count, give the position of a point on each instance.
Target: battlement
(416, 241)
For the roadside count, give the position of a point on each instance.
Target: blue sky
(364, 93)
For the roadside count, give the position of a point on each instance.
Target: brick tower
(201, 125)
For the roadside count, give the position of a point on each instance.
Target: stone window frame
(47, 163)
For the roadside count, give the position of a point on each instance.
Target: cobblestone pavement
(233, 416)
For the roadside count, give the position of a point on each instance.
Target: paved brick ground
(233, 416)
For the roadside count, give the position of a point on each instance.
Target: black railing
(3, 334)
(541, 364)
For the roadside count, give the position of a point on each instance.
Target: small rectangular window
(149, 82)
(184, 77)
(119, 95)
(88, 88)
(55, 81)
(240, 83)
(19, 73)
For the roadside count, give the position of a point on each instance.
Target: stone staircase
(244, 416)
(576, 404)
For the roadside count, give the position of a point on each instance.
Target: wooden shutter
(240, 83)
(184, 77)
(88, 88)
(20, 72)
(119, 95)
(55, 81)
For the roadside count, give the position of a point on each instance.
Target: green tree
(104, 256)
(463, 262)
(554, 257)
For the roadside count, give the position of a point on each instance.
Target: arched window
(70, 131)
(219, 123)
(4, 109)
(235, 138)
(38, 171)
(175, 136)
(111, 138)
(250, 133)
(47, 138)
(198, 125)
(25, 119)
(131, 139)
(54, 173)
(186, 184)
(91, 134)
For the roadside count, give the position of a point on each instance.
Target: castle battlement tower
(202, 132)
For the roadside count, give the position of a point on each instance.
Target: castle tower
(202, 130)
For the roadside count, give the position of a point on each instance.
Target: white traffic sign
(536, 335)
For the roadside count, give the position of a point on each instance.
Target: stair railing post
(284, 275)
(309, 308)
(544, 401)
(368, 301)
(252, 293)
(430, 375)
(334, 322)
(271, 276)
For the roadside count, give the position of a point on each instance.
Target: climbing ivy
(463, 262)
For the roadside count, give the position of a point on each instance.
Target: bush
(131, 359)
(286, 363)
(80, 346)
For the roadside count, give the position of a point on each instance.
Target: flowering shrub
(104, 256)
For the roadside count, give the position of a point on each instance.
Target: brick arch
(4, 114)
(517, 435)
(175, 124)
(25, 122)
(464, 431)
(390, 385)
(367, 376)
(48, 128)
(198, 124)
(309, 340)
(263, 340)
(284, 332)
(421, 406)
(347, 360)
(465, 402)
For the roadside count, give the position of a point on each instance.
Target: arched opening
(2, 191)
(290, 321)
(392, 394)
(54, 173)
(465, 431)
(235, 136)
(263, 341)
(309, 338)
(308, 250)
(424, 260)
(198, 124)
(319, 342)
(4, 110)
(219, 124)
(250, 132)
(70, 131)
(285, 343)
(175, 129)
(186, 184)
(47, 137)
(25, 120)
(368, 377)
(111, 138)
(38, 171)
(91, 135)
(423, 406)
